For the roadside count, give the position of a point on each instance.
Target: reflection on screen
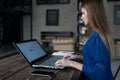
(31, 50)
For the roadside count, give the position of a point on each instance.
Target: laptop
(36, 55)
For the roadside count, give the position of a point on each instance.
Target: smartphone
(42, 73)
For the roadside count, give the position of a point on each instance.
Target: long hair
(98, 21)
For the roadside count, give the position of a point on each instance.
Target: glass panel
(117, 14)
(41, 1)
(52, 17)
(113, 0)
(63, 1)
(52, 1)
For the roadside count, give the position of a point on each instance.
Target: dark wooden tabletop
(15, 68)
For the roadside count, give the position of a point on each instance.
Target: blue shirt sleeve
(96, 63)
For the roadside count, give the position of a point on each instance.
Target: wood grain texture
(15, 68)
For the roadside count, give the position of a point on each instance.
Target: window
(52, 1)
(117, 14)
(41, 1)
(112, 0)
(52, 17)
(63, 1)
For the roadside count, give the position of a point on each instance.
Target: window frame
(57, 2)
(48, 16)
(112, 0)
(116, 14)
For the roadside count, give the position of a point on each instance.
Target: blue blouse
(96, 59)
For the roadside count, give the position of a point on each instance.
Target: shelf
(82, 35)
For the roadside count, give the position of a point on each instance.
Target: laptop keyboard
(51, 61)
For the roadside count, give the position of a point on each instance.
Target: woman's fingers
(67, 57)
(58, 63)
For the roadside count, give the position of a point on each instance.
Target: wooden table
(15, 68)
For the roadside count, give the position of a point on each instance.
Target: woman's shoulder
(96, 35)
(97, 39)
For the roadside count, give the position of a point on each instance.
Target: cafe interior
(57, 26)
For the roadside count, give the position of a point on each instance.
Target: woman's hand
(69, 63)
(63, 62)
(73, 56)
(70, 56)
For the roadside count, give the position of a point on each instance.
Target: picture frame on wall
(52, 17)
(117, 15)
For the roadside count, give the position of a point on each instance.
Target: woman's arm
(69, 63)
(76, 65)
(73, 56)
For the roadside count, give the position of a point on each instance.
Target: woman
(96, 51)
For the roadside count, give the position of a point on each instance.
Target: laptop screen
(31, 50)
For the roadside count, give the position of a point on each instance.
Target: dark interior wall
(11, 20)
(15, 2)
(12, 28)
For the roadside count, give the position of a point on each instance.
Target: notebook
(36, 55)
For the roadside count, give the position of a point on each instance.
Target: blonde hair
(98, 21)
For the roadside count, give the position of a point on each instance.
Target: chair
(117, 72)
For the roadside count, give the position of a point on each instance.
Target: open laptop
(35, 54)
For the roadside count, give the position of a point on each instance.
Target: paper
(62, 53)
